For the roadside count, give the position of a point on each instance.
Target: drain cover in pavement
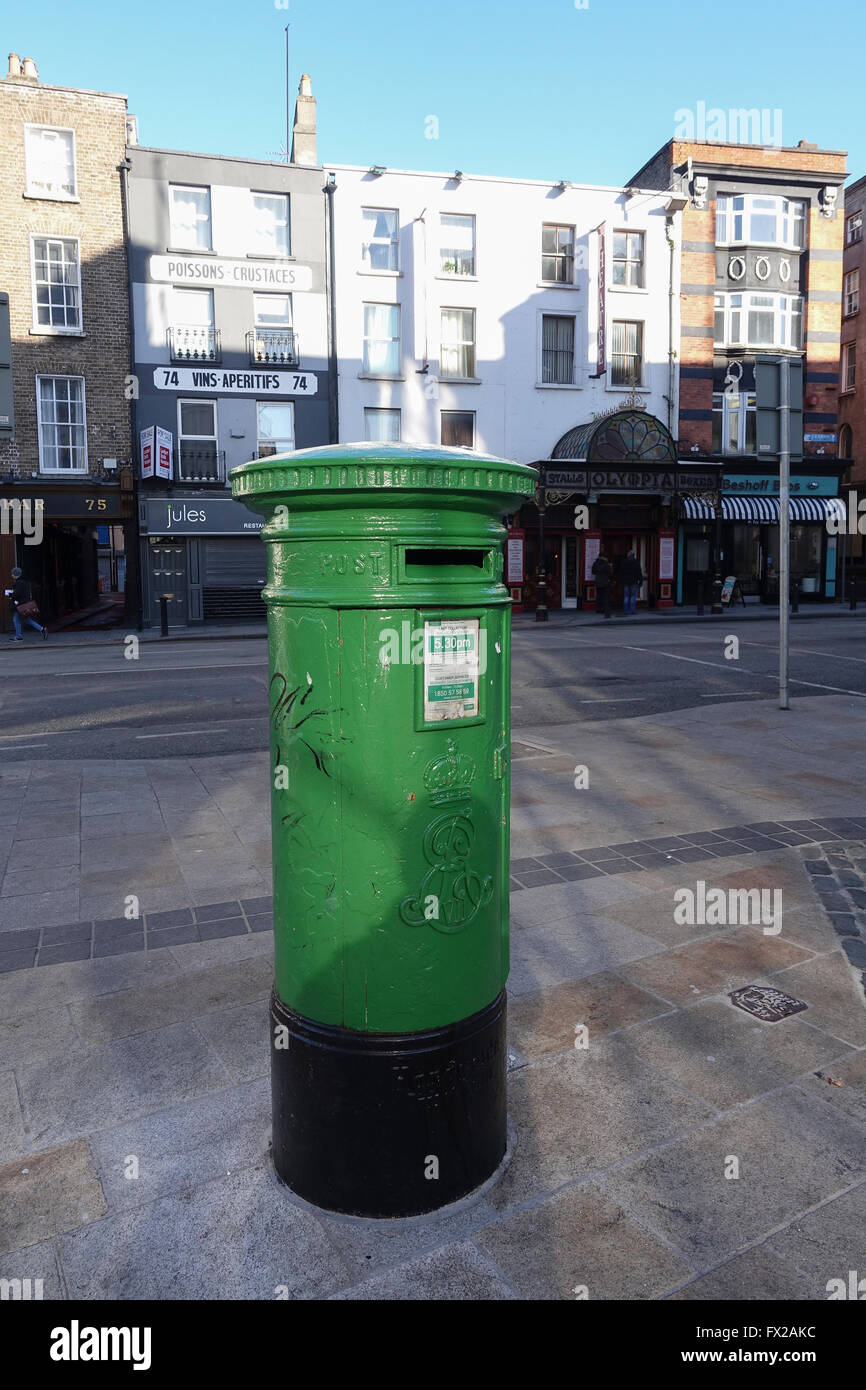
(769, 1005)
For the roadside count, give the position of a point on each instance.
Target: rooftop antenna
(288, 118)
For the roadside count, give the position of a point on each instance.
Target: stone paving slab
(585, 1246)
(13, 1138)
(455, 1272)
(794, 1152)
(723, 1055)
(47, 1193)
(829, 1242)
(250, 1243)
(546, 1021)
(184, 1145)
(756, 1276)
(122, 1014)
(599, 1105)
(37, 1271)
(106, 1085)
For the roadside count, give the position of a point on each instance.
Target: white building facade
(499, 315)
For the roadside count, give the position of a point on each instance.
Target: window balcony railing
(191, 343)
(201, 463)
(274, 346)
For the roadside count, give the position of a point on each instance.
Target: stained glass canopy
(623, 436)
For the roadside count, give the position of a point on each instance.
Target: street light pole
(784, 524)
(541, 600)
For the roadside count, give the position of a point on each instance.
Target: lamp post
(717, 580)
(541, 601)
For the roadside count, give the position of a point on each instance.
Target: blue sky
(532, 90)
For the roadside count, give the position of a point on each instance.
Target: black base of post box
(387, 1124)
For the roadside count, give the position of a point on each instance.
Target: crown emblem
(450, 776)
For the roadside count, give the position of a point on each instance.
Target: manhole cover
(769, 1005)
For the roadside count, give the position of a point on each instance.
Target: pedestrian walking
(602, 573)
(23, 606)
(631, 576)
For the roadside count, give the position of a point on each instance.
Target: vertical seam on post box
(341, 900)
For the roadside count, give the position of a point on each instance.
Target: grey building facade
(231, 356)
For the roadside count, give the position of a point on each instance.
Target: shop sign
(200, 516)
(235, 383)
(767, 485)
(243, 275)
(630, 480)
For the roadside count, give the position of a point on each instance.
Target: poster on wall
(592, 545)
(666, 557)
(146, 441)
(515, 565)
(164, 449)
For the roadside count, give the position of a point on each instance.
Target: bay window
(755, 220)
(758, 320)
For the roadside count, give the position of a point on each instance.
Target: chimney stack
(304, 129)
(14, 65)
(29, 72)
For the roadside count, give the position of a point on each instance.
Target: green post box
(389, 632)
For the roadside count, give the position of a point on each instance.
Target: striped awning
(763, 511)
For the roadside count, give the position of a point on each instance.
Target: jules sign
(218, 516)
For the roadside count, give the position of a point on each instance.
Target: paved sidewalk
(689, 1151)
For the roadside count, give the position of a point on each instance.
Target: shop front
(610, 487)
(205, 552)
(747, 537)
(58, 534)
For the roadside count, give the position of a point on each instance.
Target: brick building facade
(761, 273)
(63, 267)
(852, 392)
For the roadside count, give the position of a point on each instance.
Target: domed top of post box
(404, 470)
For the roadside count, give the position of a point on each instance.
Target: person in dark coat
(20, 593)
(631, 576)
(602, 573)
